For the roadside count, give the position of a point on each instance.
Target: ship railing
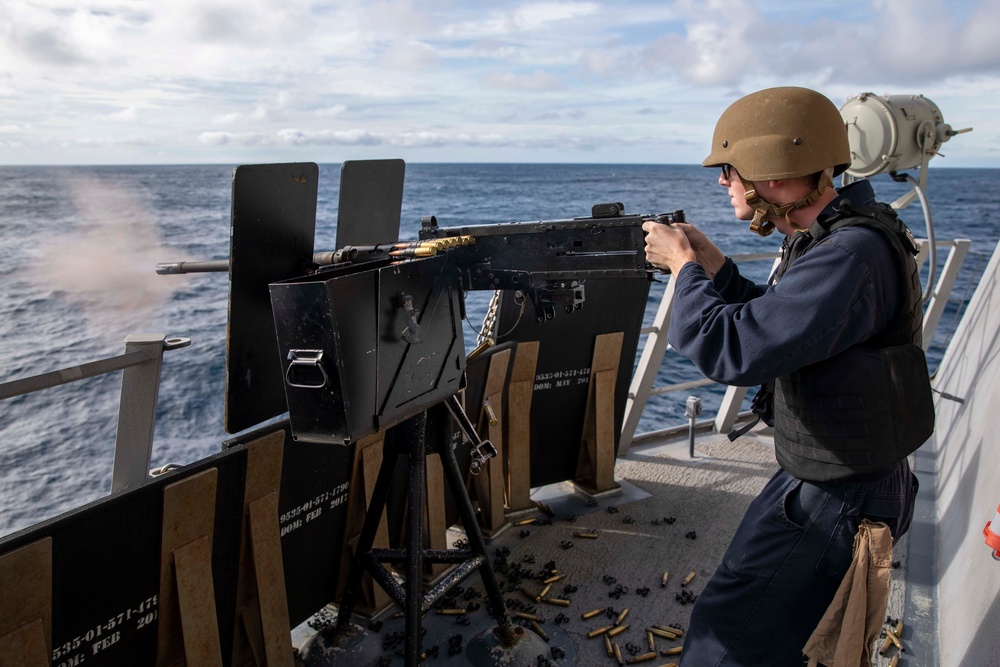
(140, 366)
(729, 413)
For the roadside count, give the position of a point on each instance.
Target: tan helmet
(777, 133)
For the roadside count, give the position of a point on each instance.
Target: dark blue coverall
(795, 541)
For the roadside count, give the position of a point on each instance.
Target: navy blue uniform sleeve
(733, 287)
(838, 294)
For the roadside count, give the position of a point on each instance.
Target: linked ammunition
(590, 614)
(598, 631)
(621, 616)
(590, 534)
(617, 630)
(538, 630)
(688, 579)
(645, 657)
(673, 650)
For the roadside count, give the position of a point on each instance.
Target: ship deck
(673, 514)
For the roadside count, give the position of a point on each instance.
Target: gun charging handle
(665, 219)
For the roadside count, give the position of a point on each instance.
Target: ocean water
(79, 247)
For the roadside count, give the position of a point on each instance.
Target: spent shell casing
(898, 630)
(524, 522)
(621, 616)
(895, 640)
(452, 612)
(538, 630)
(589, 534)
(886, 645)
(659, 632)
(598, 631)
(663, 581)
(529, 617)
(673, 650)
(607, 646)
(645, 657)
(618, 653)
(895, 661)
(590, 614)
(650, 640)
(528, 594)
(675, 631)
(556, 601)
(545, 591)
(617, 630)
(688, 579)
(545, 508)
(552, 580)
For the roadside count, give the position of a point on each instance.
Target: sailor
(834, 341)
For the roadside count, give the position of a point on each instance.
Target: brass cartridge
(645, 657)
(688, 579)
(556, 601)
(621, 616)
(529, 617)
(538, 630)
(617, 630)
(598, 631)
(590, 614)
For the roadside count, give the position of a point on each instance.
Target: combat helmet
(778, 133)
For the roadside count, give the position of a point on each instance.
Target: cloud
(329, 138)
(127, 114)
(237, 138)
(534, 82)
(440, 74)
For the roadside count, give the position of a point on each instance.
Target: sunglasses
(727, 171)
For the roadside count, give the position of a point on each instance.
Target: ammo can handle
(306, 359)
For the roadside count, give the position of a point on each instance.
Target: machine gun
(379, 332)
(370, 337)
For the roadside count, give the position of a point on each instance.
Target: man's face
(737, 194)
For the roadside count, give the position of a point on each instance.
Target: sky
(628, 81)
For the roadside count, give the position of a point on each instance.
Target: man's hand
(667, 246)
(672, 246)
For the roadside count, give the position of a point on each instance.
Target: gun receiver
(550, 260)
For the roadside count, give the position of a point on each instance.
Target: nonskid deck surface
(674, 514)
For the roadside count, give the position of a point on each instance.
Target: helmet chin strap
(765, 211)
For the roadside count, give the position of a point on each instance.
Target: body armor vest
(867, 408)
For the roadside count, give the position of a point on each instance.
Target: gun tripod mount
(341, 643)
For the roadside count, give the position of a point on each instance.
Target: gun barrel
(170, 268)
